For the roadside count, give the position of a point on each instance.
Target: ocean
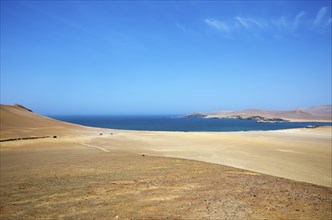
(173, 123)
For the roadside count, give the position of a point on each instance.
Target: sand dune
(140, 174)
(19, 122)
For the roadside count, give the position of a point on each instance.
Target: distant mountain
(321, 113)
(323, 110)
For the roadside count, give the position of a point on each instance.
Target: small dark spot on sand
(143, 155)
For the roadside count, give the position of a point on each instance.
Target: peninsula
(312, 114)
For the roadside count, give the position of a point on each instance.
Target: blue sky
(169, 57)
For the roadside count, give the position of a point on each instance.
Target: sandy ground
(57, 178)
(158, 175)
(299, 154)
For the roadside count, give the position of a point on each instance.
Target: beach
(72, 171)
(153, 110)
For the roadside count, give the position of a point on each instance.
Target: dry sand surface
(139, 174)
(299, 154)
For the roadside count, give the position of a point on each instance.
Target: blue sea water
(172, 123)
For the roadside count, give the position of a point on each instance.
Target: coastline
(272, 152)
(268, 152)
(310, 114)
(168, 123)
(95, 172)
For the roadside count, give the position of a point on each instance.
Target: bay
(173, 123)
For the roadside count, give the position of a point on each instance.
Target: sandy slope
(18, 122)
(82, 174)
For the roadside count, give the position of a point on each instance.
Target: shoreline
(223, 128)
(89, 130)
(266, 152)
(88, 172)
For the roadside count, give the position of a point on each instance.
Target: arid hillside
(20, 122)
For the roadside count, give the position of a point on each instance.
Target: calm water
(171, 123)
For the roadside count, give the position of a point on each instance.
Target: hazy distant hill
(323, 110)
(321, 113)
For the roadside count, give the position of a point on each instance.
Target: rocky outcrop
(256, 118)
(193, 115)
(264, 119)
(22, 107)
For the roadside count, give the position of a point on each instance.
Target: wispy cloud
(243, 21)
(321, 14)
(258, 22)
(298, 19)
(300, 22)
(181, 27)
(218, 24)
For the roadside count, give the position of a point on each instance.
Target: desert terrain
(72, 171)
